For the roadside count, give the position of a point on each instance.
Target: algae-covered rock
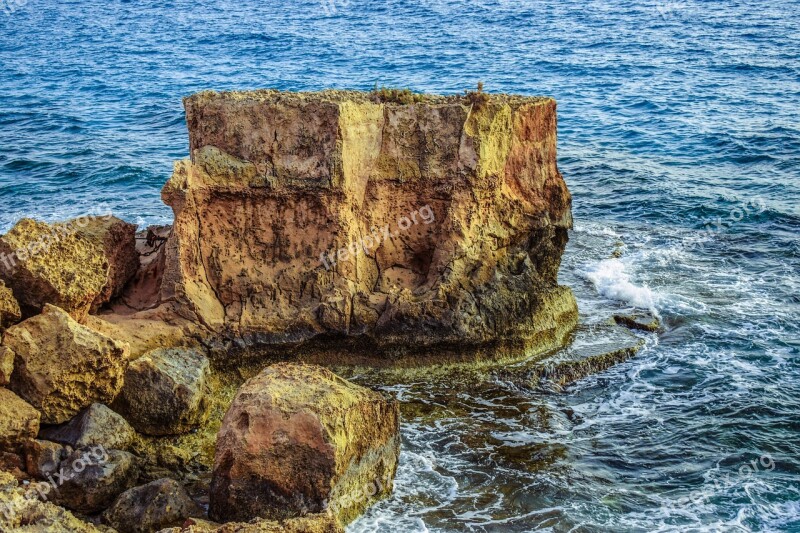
(62, 366)
(312, 523)
(19, 421)
(643, 321)
(9, 307)
(166, 391)
(148, 508)
(299, 439)
(22, 512)
(52, 264)
(370, 228)
(94, 477)
(95, 425)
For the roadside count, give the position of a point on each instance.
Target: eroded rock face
(74, 265)
(166, 391)
(435, 228)
(9, 308)
(6, 365)
(95, 425)
(299, 439)
(151, 507)
(19, 421)
(62, 366)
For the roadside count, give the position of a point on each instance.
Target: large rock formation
(434, 228)
(298, 439)
(63, 366)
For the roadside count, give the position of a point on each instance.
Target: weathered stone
(313, 523)
(166, 391)
(96, 425)
(52, 264)
(117, 238)
(14, 464)
(6, 365)
(643, 321)
(151, 507)
(19, 421)
(300, 439)
(22, 512)
(94, 478)
(364, 228)
(62, 366)
(42, 457)
(10, 313)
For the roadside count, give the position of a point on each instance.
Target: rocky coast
(179, 377)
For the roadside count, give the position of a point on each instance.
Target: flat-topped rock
(432, 229)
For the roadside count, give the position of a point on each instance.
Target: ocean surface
(679, 137)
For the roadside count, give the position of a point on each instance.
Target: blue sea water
(679, 137)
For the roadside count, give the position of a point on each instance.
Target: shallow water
(679, 136)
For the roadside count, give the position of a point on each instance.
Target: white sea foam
(612, 281)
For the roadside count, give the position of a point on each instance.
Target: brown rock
(42, 457)
(19, 421)
(13, 464)
(62, 366)
(148, 508)
(297, 439)
(166, 392)
(96, 425)
(21, 511)
(94, 477)
(6, 365)
(10, 313)
(280, 215)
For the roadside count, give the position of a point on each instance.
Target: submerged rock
(151, 507)
(93, 478)
(298, 439)
(432, 230)
(642, 321)
(96, 425)
(19, 421)
(10, 313)
(593, 350)
(62, 366)
(166, 392)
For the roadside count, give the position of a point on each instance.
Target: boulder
(14, 464)
(19, 421)
(166, 391)
(643, 321)
(151, 507)
(368, 227)
(22, 512)
(6, 365)
(92, 478)
(95, 425)
(52, 264)
(298, 439)
(42, 457)
(10, 313)
(62, 366)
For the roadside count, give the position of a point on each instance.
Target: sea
(679, 138)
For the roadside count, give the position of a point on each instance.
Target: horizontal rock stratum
(371, 227)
